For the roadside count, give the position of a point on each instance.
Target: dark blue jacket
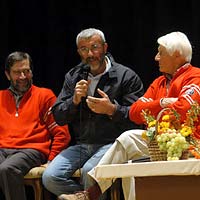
(122, 85)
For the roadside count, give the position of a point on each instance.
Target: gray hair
(177, 41)
(87, 33)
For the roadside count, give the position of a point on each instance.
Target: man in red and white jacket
(178, 87)
(29, 136)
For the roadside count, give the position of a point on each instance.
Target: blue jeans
(58, 179)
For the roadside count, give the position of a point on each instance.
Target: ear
(7, 75)
(79, 52)
(105, 46)
(176, 54)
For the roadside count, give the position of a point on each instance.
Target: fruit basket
(168, 138)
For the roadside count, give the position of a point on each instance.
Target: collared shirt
(95, 79)
(17, 97)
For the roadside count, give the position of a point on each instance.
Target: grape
(173, 143)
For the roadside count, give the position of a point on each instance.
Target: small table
(160, 180)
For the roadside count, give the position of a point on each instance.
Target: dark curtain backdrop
(47, 30)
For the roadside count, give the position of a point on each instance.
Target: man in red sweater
(178, 87)
(29, 136)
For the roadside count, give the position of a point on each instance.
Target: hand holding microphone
(81, 87)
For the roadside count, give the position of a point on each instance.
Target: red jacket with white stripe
(31, 124)
(185, 85)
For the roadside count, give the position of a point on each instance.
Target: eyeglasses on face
(25, 72)
(93, 48)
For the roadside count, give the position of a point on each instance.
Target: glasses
(25, 72)
(93, 48)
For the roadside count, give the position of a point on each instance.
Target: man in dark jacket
(94, 102)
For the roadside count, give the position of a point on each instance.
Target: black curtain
(47, 30)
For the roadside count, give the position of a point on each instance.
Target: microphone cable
(86, 70)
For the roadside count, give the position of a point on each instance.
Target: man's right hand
(81, 89)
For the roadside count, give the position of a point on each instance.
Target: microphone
(138, 160)
(86, 70)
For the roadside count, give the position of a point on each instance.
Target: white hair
(177, 41)
(87, 33)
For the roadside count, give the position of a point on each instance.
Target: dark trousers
(14, 164)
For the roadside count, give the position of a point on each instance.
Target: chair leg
(38, 190)
(36, 184)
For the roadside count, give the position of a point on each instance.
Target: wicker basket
(155, 153)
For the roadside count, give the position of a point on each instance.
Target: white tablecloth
(158, 168)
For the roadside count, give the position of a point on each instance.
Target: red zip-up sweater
(185, 85)
(31, 124)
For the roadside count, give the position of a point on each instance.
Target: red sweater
(185, 85)
(31, 125)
